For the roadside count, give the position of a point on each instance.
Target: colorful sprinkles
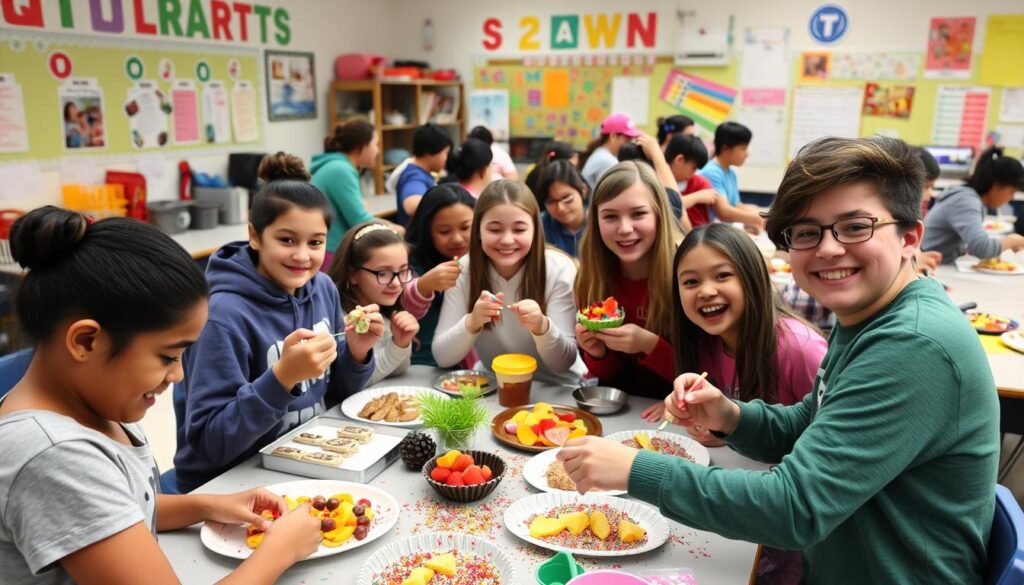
(470, 569)
(586, 539)
(662, 446)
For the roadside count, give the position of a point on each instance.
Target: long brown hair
(354, 250)
(760, 326)
(594, 281)
(535, 277)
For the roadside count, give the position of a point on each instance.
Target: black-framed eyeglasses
(804, 236)
(386, 277)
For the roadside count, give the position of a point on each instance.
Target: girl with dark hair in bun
(552, 151)
(110, 307)
(351, 147)
(470, 164)
(269, 359)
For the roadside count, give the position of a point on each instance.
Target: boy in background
(430, 146)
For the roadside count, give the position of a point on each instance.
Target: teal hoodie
(337, 177)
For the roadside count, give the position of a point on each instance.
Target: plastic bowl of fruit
(464, 476)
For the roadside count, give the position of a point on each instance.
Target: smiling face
(391, 259)
(711, 293)
(855, 281)
(506, 236)
(450, 230)
(291, 249)
(565, 204)
(629, 226)
(123, 388)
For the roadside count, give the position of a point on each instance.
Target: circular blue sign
(829, 24)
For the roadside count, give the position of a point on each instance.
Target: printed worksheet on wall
(824, 111)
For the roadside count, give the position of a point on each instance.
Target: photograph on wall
(894, 101)
(815, 65)
(81, 110)
(490, 108)
(291, 85)
(147, 108)
(950, 45)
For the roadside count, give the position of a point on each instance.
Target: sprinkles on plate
(470, 569)
(586, 539)
(662, 446)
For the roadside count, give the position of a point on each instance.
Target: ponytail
(994, 169)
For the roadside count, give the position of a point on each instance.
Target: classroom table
(712, 558)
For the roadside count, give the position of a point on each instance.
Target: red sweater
(698, 214)
(637, 374)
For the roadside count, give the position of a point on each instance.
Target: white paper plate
(699, 452)
(353, 404)
(438, 542)
(229, 540)
(998, 226)
(535, 474)
(1011, 339)
(517, 514)
(1019, 270)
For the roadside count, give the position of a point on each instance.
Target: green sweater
(334, 174)
(891, 479)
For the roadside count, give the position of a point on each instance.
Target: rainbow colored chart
(707, 102)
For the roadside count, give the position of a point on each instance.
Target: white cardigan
(390, 360)
(558, 360)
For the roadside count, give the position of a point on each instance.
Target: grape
(361, 532)
(327, 525)
(364, 502)
(359, 510)
(362, 521)
(332, 504)
(319, 502)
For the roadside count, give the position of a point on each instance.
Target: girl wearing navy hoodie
(267, 360)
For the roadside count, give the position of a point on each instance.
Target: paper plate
(229, 540)
(700, 453)
(1017, 269)
(444, 382)
(1013, 340)
(535, 474)
(353, 404)
(518, 514)
(1010, 324)
(998, 226)
(437, 542)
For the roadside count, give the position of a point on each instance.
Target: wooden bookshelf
(418, 101)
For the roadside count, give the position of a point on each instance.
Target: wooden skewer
(668, 415)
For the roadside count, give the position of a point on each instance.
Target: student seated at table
(502, 166)
(685, 154)
(513, 295)
(268, 360)
(886, 470)
(603, 152)
(563, 195)
(552, 151)
(109, 306)
(955, 224)
(413, 178)
(671, 126)
(469, 164)
(731, 143)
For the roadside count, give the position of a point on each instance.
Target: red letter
(635, 29)
(31, 15)
(492, 28)
(221, 19)
(141, 26)
(243, 11)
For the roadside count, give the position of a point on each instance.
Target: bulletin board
(79, 96)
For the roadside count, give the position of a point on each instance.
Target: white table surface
(712, 558)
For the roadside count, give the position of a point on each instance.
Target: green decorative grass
(453, 419)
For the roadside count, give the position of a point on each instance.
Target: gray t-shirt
(954, 226)
(599, 161)
(64, 487)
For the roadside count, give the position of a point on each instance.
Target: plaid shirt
(808, 308)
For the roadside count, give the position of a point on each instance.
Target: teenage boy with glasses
(886, 471)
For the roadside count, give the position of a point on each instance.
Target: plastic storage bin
(233, 203)
(170, 216)
(204, 215)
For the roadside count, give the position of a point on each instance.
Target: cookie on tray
(289, 452)
(309, 439)
(323, 458)
(344, 446)
(361, 434)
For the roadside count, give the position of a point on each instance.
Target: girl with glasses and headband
(371, 268)
(268, 359)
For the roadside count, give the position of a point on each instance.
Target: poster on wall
(147, 108)
(81, 111)
(243, 112)
(950, 45)
(875, 66)
(815, 66)
(185, 111)
(893, 101)
(291, 85)
(13, 128)
(707, 102)
(216, 113)
(630, 96)
(765, 62)
(490, 108)
(824, 111)
(960, 115)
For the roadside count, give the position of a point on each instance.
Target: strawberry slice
(566, 416)
(610, 305)
(546, 424)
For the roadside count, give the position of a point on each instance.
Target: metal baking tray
(371, 459)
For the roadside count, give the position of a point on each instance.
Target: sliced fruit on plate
(558, 435)
(629, 532)
(576, 522)
(542, 526)
(643, 440)
(444, 564)
(599, 525)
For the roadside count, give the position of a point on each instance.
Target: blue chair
(1006, 544)
(12, 367)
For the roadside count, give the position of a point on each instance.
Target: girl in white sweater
(371, 266)
(513, 295)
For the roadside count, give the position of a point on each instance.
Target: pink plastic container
(607, 578)
(356, 66)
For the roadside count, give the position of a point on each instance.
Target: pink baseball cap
(619, 124)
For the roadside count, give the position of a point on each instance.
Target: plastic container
(558, 569)
(607, 578)
(232, 201)
(170, 216)
(99, 201)
(204, 215)
(356, 66)
(514, 372)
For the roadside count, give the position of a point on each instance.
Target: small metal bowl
(599, 399)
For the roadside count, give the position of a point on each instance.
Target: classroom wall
(876, 25)
(325, 27)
